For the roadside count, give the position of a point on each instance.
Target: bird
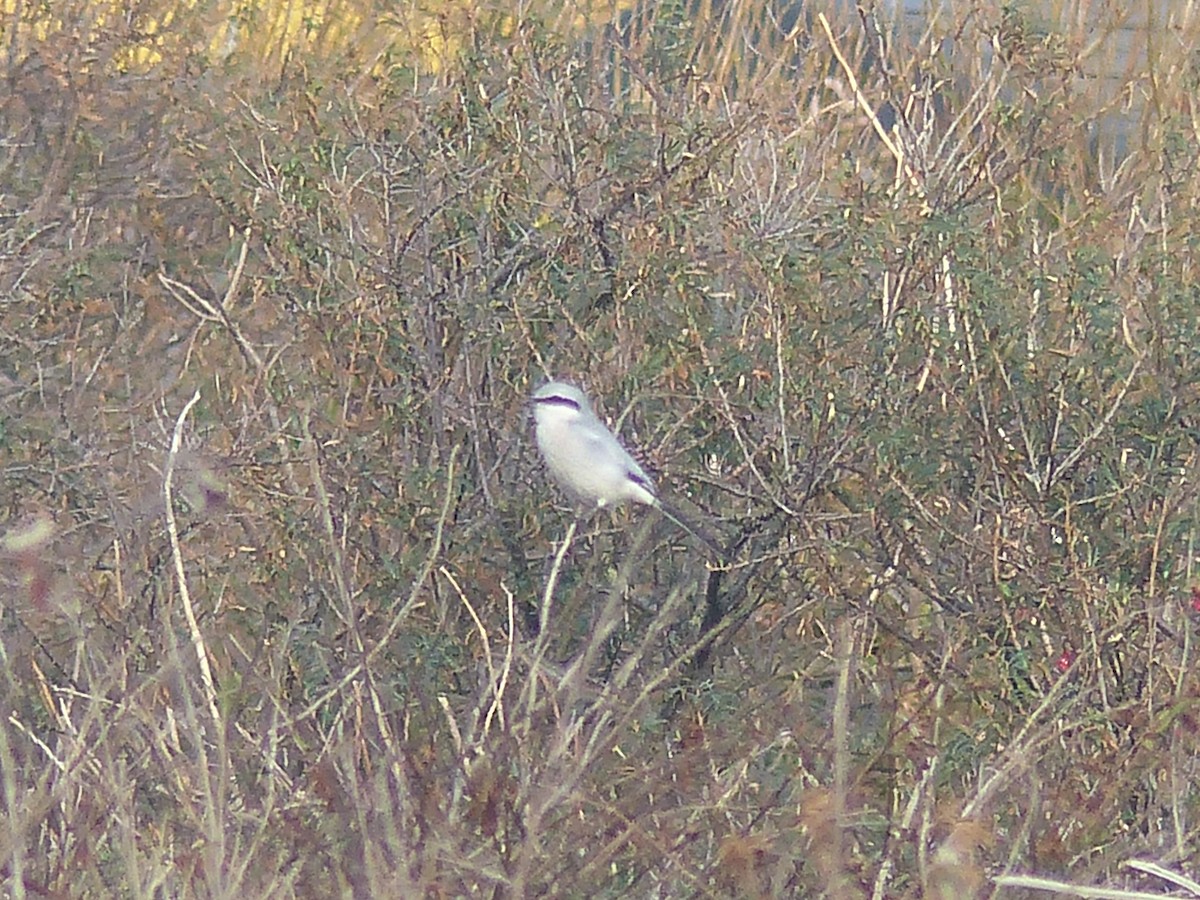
(588, 460)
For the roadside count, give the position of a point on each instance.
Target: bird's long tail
(695, 530)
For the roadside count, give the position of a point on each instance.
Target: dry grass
(288, 609)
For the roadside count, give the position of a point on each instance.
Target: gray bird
(588, 460)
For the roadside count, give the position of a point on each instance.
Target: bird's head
(557, 401)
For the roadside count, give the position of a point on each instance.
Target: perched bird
(586, 458)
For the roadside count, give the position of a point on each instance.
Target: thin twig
(539, 651)
(1075, 890)
(1153, 868)
(1073, 457)
(185, 596)
(865, 106)
(401, 614)
(498, 700)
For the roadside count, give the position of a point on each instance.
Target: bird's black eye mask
(557, 400)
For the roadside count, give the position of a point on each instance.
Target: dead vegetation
(289, 608)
